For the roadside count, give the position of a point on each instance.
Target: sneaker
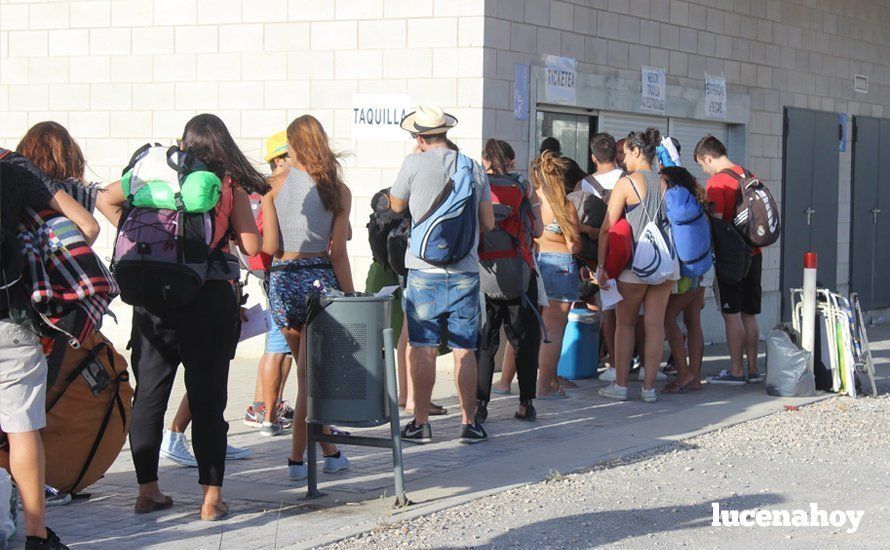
(649, 396)
(413, 433)
(481, 412)
(472, 434)
(641, 375)
(297, 472)
(608, 375)
(271, 429)
(55, 497)
(613, 391)
(51, 542)
(334, 464)
(254, 415)
(238, 453)
(755, 378)
(285, 411)
(725, 377)
(175, 448)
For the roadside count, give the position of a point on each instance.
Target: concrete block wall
(782, 53)
(119, 73)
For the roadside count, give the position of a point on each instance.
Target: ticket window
(572, 131)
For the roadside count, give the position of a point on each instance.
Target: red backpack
(505, 251)
(259, 264)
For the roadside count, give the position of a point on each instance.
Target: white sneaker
(174, 447)
(613, 391)
(238, 453)
(641, 375)
(297, 472)
(608, 375)
(271, 429)
(649, 396)
(333, 465)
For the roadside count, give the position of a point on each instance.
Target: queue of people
(486, 249)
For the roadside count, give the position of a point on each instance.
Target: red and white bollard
(808, 322)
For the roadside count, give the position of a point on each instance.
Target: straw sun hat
(428, 120)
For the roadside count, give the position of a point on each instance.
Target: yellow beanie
(276, 146)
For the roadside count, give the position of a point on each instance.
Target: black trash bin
(350, 376)
(345, 361)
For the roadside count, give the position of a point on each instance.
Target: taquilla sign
(377, 116)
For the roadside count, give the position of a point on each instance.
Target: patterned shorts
(290, 286)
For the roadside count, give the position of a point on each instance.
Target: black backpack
(731, 252)
(383, 220)
(757, 214)
(397, 247)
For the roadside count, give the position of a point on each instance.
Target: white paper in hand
(256, 323)
(611, 296)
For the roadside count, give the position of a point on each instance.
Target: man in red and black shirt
(739, 303)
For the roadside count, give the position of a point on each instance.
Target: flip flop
(435, 410)
(567, 383)
(673, 387)
(558, 394)
(497, 391)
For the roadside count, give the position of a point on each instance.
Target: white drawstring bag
(654, 256)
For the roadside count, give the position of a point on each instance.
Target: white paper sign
(377, 116)
(715, 97)
(609, 297)
(560, 75)
(255, 322)
(654, 91)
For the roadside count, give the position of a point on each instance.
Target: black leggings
(523, 330)
(202, 336)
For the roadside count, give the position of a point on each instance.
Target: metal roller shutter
(621, 124)
(688, 133)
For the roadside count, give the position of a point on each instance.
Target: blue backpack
(691, 232)
(447, 232)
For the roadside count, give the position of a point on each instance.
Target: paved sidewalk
(269, 511)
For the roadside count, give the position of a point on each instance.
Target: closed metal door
(689, 133)
(809, 197)
(870, 220)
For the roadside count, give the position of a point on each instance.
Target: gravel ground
(833, 453)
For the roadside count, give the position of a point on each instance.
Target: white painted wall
(119, 73)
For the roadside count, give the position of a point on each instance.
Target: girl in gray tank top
(643, 185)
(304, 223)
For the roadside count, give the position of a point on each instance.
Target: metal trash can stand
(345, 372)
(351, 377)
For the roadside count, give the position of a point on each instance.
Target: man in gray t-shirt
(421, 179)
(441, 303)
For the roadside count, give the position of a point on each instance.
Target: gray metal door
(809, 197)
(869, 256)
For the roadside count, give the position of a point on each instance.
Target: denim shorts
(442, 308)
(290, 285)
(562, 282)
(275, 341)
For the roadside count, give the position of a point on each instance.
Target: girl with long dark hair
(202, 335)
(637, 196)
(305, 228)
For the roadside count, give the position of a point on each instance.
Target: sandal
(530, 414)
(558, 394)
(563, 383)
(673, 387)
(146, 505)
(435, 410)
(219, 512)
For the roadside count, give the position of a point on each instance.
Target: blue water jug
(579, 357)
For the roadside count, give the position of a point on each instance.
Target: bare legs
(28, 462)
(555, 318)
(655, 298)
(274, 368)
(752, 334)
(689, 304)
(298, 438)
(422, 361)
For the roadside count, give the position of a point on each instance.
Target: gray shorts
(22, 379)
